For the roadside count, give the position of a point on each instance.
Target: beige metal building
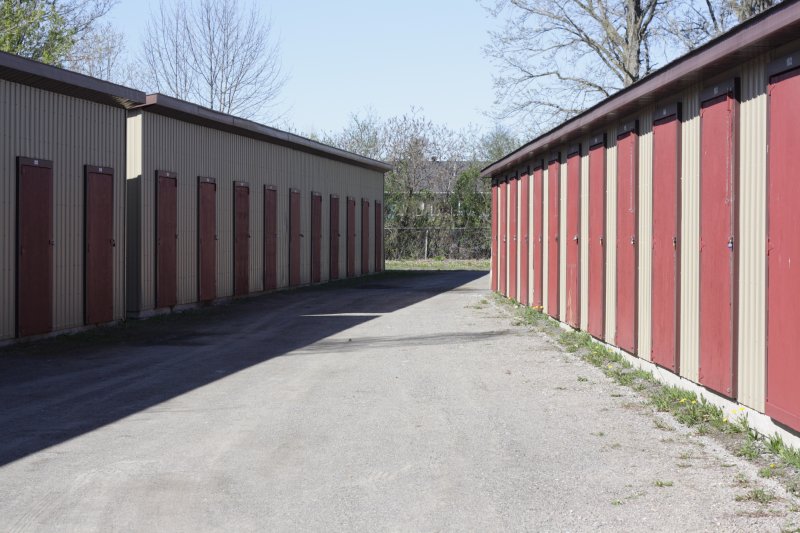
(62, 198)
(220, 206)
(684, 251)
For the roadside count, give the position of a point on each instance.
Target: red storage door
(378, 237)
(553, 228)
(351, 237)
(627, 218)
(666, 232)
(334, 238)
(166, 239)
(524, 237)
(783, 244)
(364, 236)
(294, 237)
(34, 246)
(538, 234)
(241, 238)
(99, 239)
(494, 236)
(573, 281)
(270, 237)
(597, 234)
(717, 227)
(512, 238)
(207, 239)
(503, 242)
(316, 237)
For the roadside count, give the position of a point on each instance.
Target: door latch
(730, 243)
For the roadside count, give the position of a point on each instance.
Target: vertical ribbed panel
(72, 133)
(752, 234)
(584, 238)
(690, 235)
(645, 232)
(545, 233)
(191, 150)
(611, 234)
(563, 237)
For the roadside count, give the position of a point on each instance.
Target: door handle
(113, 243)
(730, 243)
(602, 240)
(675, 242)
(575, 238)
(633, 241)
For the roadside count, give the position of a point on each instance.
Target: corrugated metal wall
(584, 235)
(563, 237)
(162, 143)
(72, 133)
(611, 233)
(645, 231)
(752, 234)
(545, 233)
(690, 234)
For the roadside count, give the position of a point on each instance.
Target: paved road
(400, 403)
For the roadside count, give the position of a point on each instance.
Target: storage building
(62, 192)
(220, 207)
(664, 219)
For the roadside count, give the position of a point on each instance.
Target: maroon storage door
(99, 239)
(494, 236)
(34, 246)
(241, 238)
(334, 238)
(364, 236)
(717, 227)
(783, 244)
(538, 234)
(666, 232)
(573, 281)
(512, 238)
(294, 237)
(627, 224)
(378, 237)
(270, 237)
(597, 234)
(553, 228)
(316, 237)
(206, 239)
(524, 237)
(166, 239)
(501, 279)
(351, 237)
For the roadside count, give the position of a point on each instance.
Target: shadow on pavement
(58, 389)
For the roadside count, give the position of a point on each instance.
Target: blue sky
(349, 56)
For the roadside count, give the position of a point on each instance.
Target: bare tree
(693, 22)
(100, 53)
(216, 53)
(165, 51)
(556, 57)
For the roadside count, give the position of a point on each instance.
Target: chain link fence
(437, 242)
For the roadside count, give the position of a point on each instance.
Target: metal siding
(752, 232)
(627, 241)
(192, 150)
(241, 239)
(503, 241)
(494, 238)
(100, 244)
(71, 133)
(645, 233)
(524, 238)
(563, 238)
(538, 237)
(690, 234)
(554, 177)
(611, 236)
(545, 237)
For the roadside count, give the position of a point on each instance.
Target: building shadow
(58, 389)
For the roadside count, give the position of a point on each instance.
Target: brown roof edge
(776, 25)
(54, 79)
(197, 114)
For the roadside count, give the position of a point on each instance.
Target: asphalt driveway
(407, 402)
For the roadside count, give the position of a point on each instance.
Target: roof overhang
(196, 114)
(776, 26)
(54, 79)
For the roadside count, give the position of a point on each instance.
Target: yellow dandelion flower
(694, 401)
(772, 465)
(725, 420)
(683, 400)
